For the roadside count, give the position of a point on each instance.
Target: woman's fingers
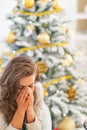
(26, 98)
(22, 96)
(30, 100)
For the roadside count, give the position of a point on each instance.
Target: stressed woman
(21, 99)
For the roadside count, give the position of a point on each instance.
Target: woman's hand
(30, 97)
(23, 100)
(22, 105)
(30, 114)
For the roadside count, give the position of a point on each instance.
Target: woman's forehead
(27, 80)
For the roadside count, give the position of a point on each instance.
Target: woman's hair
(17, 68)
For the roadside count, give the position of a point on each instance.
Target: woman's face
(25, 82)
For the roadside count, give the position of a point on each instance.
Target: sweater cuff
(10, 127)
(33, 125)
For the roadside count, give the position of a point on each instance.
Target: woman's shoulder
(39, 86)
(39, 89)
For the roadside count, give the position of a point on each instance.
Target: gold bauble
(67, 61)
(11, 37)
(28, 3)
(45, 93)
(80, 81)
(65, 29)
(42, 67)
(71, 93)
(31, 27)
(43, 1)
(56, 5)
(1, 61)
(43, 38)
(66, 124)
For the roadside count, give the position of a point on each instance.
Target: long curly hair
(17, 68)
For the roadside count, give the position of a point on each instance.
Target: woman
(21, 101)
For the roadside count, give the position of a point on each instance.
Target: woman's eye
(31, 86)
(20, 87)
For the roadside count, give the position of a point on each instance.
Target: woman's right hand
(22, 105)
(22, 100)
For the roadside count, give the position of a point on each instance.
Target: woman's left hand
(30, 97)
(30, 114)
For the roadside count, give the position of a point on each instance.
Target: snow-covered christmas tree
(39, 29)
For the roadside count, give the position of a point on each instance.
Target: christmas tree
(39, 29)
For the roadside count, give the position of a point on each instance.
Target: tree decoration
(56, 5)
(11, 37)
(71, 93)
(30, 27)
(28, 3)
(67, 61)
(80, 81)
(67, 123)
(43, 38)
(68, 31)
(43, 1)
(1, 61)
(42, 67)
(65, 29)
(45, 93)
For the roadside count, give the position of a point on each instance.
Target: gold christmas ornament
(43, 38)
(66, 124)
(31, 27)
(43, 1)
(67, 61)
(28, 3)
(80, 81)
(1, 61)
(69, 57)
(45, 93)
(42, 67)
(71, 93)
(56, 5)
(11, 37)
(65, 29)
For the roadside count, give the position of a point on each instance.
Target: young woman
(21, 99)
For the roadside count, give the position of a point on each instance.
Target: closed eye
(20, 87)
(32, 85)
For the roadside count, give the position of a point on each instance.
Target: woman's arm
(18, 118)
